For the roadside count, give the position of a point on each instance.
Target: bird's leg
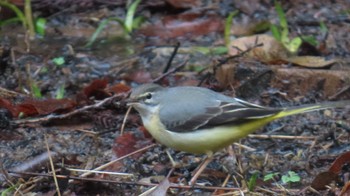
(200, 168)
(174, 164)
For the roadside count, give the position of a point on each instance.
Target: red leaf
(325, 178)
(339, 162)
(119, 88)
(193, 24)
(140, 77)
(47, 106)
(4, 103)
(96, 89)
(128, 143)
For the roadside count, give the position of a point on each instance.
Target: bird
(201, 121)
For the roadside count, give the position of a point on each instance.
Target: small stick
(52, 167)
(124, 120)
(171, 71)
(290, 137)
(62, 116)
(177, 46)
(116, 160)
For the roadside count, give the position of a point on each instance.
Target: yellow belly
(204, 141)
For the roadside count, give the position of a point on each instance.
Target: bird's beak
(131, 102)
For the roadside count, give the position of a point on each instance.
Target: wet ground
(87, 128)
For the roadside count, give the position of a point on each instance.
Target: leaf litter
(83, 129)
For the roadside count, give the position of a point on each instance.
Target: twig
(124, 120)
(100, 172)
(171, 57)
(171, 71)
(290, 137)
(126, 183)
(35, 162)
(223, 184)
(341, 91)
(52, 167)
(62, 116)
(116, 160)
(224, 61)
(244, 146)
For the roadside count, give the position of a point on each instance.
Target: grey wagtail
(201, 121)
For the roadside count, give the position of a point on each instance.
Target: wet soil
(80, 132)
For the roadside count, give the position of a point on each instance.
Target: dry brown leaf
(160, 189)
(345, 190)
(271, 50)
(325, 178)
(311, 61)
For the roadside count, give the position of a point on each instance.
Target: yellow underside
(208, 141)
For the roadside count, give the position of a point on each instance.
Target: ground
(92, 126)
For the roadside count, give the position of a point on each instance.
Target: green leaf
(9, 190)
(59, 61)
(36, 91)
(97, 32)
(228, 25)
(294, 177)
(18, 12)
(219, 50)
(100, 27)
(252, 181)
(10, 21)
(284, 36)
(138, 21)
(130, 16)
(261, 26)
(270, 176)
(291, 177)
(44, 70)
(40, 26)
(275, 32)
(60, 92)
(310, 39)
(323, 27)
(281, 15)
(294, 45)
(285, 179)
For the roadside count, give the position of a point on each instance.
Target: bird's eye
(149, 96)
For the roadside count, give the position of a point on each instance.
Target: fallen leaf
(118, 88)
(128, 143)
(270, 51)
(325, 178)
(49, 106)
(345, 191)
(184, 3)
(340, 162)
(310, 61)
(97, 89)
(160, 189)
(190, 24)
(273, 52)
(140, 77)
(32, 107)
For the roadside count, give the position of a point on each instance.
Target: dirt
(83, 131)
